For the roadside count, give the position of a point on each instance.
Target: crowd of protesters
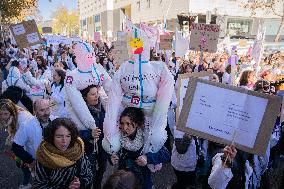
(52, 151)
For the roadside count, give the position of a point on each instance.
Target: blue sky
(46, 8)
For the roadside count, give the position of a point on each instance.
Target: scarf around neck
(51, 157)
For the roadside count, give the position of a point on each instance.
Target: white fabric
(157, 83)
(14, 79)
(182, 45)
(220, 176)
(58, 96)
(74, 102)
(226, 78)
(184, 162)
(29, 133)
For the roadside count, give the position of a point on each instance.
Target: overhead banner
(26, 34)
(57, 39)
(227, 114)
(204, 37)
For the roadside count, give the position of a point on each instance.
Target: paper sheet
(18, 29)
(33, 37)
(221, 111)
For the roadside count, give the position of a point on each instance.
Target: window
(138, 5)
(239, 27)
(97, 18)
(149, 3)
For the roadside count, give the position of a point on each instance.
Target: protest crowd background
(71, 111)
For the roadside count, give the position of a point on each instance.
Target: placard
(97, 36)
(182, 84)
(219, 113)
(166, 42)
(120, 52)
(204, 37)
(243, 42)
(26, 34)
(57, 39)
(46, 29)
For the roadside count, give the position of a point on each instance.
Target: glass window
(239, 27)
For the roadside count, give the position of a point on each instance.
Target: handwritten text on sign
(204, 37)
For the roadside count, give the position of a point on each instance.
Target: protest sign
(97, 36)
(182, 83)
(243, 42)
(204, 37)
(26, 33)
(46, 29)
(120, 51)
(57, 39)
(223, 113)
(182, 44)
(166, 42)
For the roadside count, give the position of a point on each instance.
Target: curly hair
(136, 115)
(49, 131)
(85, 91)
(122, 179)
(8, 105)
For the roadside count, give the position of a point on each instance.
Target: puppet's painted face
(137, 45)
(84, 56)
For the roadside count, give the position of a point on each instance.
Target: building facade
(107, 16)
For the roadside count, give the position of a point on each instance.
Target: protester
(130, 156)
(62, 153)
(97, 156)
(122, 179)
(25, 135)
(56, 93)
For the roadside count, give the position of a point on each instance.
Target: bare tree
(268, 6)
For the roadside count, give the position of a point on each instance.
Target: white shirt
(29, 133)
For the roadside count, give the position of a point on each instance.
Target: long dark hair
(102, 62)
(136, 115)
(43, 65)
(61, 74)
(49, 131)
(244, 77)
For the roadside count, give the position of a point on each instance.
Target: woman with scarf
(130, 156)
(61, 163)
(99, 157)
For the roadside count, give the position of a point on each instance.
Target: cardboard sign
(243, 42)
(182, 83)
(57, 39)
(46, 29)
(97, 36)
(120, 52)
(223, 113)
(26, 34)
(204, 37)
(166, 42)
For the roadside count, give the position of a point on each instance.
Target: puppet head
(84, 56)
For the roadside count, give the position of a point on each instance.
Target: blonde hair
(8, 105)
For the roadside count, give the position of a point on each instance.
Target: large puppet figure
(142, 84)
(87, 73)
